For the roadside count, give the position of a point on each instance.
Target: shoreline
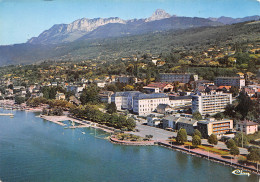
(58, 119)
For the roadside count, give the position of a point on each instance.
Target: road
(161, 134)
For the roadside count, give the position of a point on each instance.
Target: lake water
(32, 149)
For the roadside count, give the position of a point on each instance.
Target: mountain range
(160, 20)
(110, 38)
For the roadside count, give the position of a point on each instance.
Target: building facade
(173, 77)
(124, 100)
(247, 127)
(210, 103)
(176, 101)
(216, 127)
(188, 124)
(230, 81)
(144, 104)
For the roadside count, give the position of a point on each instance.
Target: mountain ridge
(160, 20)
(116, 47)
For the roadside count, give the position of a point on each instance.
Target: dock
(81, 126)
(6, 114)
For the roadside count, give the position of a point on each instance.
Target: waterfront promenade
(161, 134)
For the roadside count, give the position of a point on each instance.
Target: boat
(83, 132)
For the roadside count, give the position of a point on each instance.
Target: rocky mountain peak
(158, 15)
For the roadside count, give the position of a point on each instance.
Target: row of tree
(92, 112)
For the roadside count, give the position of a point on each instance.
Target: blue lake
(32, 149)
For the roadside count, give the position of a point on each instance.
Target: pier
(6, 114)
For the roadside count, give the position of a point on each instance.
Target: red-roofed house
(159, 87)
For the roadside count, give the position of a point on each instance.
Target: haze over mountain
(228, 20)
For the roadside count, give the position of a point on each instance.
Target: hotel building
(210, 103)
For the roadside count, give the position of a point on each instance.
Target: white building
(230, 81)
(176, 101)
(210, 103)
(153, 121)
(75, 89)
(124, 100)
(144, 104)
(183, 78)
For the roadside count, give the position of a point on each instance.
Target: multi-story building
(127, 79)
(247, 127)
(176, 101)
(124, 100)
(230, 81)
(216, 127)
(173, 77)
(210, 103)
(188, 124)
(144, 104)
(106, 96)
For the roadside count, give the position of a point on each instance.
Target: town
(209, 96)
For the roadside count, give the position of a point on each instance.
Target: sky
(22, 19)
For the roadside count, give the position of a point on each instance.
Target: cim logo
(240, 172)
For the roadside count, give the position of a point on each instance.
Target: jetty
(80, 126)
(6, 114)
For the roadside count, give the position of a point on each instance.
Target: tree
(196, 115)
(234, 90)
(230, 143)
(19, 100)
(90, 94)
(245, 104)
(234, 150)
(197, 132)
(196, 141)
(111, 108)
(213, 139)
(240, 139)
(254, 154)
(219, 116)
(181, 136)
(130, 124)
(44, 111)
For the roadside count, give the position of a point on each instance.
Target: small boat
(83, 132)
(11, 116)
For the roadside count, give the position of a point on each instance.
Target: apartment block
(216, 127)
(144, 104)
(173, 77)
(230, 81)
(210, 103)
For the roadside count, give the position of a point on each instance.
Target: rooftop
(247, 123)
(151, 96)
